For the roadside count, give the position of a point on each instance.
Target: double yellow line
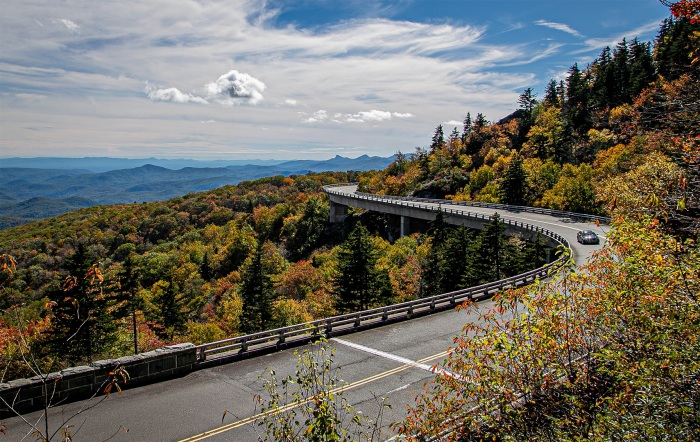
(284, 408)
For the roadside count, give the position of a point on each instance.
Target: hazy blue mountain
(105, 164)
(35, 193)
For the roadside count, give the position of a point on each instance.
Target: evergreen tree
(466, 128)
(81, 326)
(438, 141)
(359, 284)
(205, 269)
(257, 293)
(674, 48)
(621, 61)
(576, 106)
(308, 230)
(603, 85)
(128, 287)
(170, 309)
(433, 274)
(551, 97)
(512, 188)
(452, 266)
(527, 100)
(642, 71)
(454, 136)
(486, 261)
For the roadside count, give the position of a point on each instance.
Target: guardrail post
(432, 303)
(357, 321)
(385, 314)
(410, 310)
(452, 299)
(329, 327)
(244, 346)
(281, 338)
(202, 356)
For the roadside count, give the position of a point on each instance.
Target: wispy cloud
(559, 27)
(371, 116)
(69, 24)
(174, 95)
(592, 44)
(376, 82)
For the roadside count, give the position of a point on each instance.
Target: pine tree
(551, 96)
(527, 100)
(81, 326)
(576, 106)
(603, 85)
(128, 288)
(433, 275)
(453, 266)
(512, 188)
(171, 309)
(642, 71)
(257, 293)
(359, 284)
(466, 128)
(621, 61)
(486, 261)
(675, 48)
(438, 141)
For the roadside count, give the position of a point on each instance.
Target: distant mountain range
(36, 192)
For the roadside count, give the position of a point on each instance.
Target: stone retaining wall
(82, 382)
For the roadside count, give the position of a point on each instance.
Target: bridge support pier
(405, 226)
(338, 212)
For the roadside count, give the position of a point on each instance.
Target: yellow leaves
(681, 204)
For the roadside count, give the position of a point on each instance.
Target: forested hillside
(111, 280)
(609, 351)
(561, 146)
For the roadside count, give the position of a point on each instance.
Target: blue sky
(282, 79)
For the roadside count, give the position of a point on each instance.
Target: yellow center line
(282, 409)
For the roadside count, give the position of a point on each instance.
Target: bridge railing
(346, 323)
(510, 208)
(298, 334)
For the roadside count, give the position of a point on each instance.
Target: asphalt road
(392, 361)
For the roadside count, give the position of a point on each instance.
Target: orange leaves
(7, 263)
(69, 283)
(115, 376)
(689, 9)
(94, 273)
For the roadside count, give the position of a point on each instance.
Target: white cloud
(174, 95)
(235, 88)
(559, 27)
(371, 116)
(70, 25)
(453, 123)
(290, 102)
(316, 117)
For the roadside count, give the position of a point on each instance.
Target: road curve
(392, 361)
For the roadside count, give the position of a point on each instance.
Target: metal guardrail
(507, 207)
(302, 333)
